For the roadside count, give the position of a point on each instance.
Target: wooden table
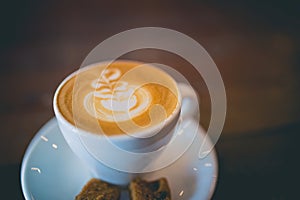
(255, 46)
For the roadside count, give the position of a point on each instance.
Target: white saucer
(51, 171)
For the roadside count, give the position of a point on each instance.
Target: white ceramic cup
(119, 158)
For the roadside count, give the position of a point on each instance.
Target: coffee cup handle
(190, 102)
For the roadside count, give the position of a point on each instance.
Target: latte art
(122, 97)
(114, 100)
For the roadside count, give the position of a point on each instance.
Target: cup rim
(138, 135)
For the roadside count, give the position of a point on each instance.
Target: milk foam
(122, 97)
(114, 100)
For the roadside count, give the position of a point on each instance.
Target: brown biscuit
(99, 190)
(154, 190)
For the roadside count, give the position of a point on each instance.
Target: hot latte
(123, 97)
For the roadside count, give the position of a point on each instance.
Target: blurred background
(255, 45)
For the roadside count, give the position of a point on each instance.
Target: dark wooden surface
(255, 46)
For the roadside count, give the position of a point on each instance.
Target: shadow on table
(10, 182)
(261, 165)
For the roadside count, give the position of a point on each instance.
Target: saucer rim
(45, 128)
(30, 148)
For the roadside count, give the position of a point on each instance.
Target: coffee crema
(122, 97)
